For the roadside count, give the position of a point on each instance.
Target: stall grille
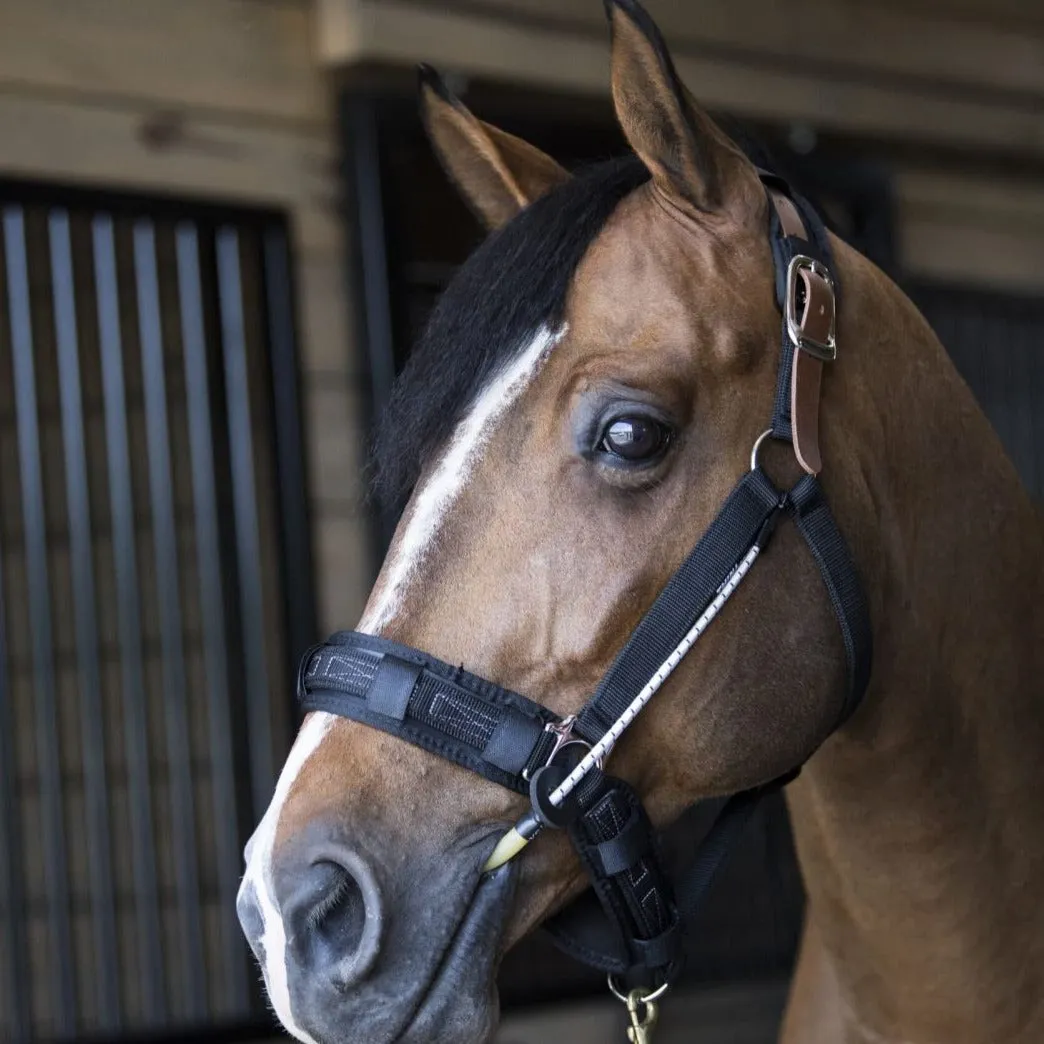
(154, 593)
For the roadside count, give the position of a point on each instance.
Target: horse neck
(916, 823)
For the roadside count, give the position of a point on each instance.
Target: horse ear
(497, 173)
(690, 158)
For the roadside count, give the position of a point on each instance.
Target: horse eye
(635, 439)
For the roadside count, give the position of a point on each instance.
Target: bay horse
(586, 395)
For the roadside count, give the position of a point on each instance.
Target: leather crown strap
(631, 922)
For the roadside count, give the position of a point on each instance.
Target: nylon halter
(631, 923)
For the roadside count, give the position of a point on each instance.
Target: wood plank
(344, 567)
(127, 149)
(251, 57)
(328, 349)
(396, 32)
(951, 198)
(972, 230)
(337, 442)
(971, 255)
(590, 1022)
(844, 39)
(1013, 13)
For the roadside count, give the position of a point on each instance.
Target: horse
(586, 394)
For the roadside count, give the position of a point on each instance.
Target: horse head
(586, 395)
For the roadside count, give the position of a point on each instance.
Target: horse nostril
(338, 920)
(334, 916)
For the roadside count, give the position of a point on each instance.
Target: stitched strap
(816, 523)
(598, 928)
(635, 926)
(479, 725)
(734, 530)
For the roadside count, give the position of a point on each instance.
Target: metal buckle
(825, 351)
(563, 732)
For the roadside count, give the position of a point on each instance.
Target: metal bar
(1035, 380)
(17, 1012)
(248, 549)
(92, 720)
(208, 552)
(149, 936)
(368, 258)
(165, 550)
(56, 876)
(289, 447)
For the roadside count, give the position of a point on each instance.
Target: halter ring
(757, 446)
(647, 999)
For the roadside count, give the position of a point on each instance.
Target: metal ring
(574, 743)
(561, 743)
(648, 999)
(757, 446)
(564, 737)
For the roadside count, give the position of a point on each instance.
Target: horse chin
(446, 997)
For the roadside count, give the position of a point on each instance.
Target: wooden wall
(953, 88)
(234, 99)
(221, 99)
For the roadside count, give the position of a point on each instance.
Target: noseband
(631, 923)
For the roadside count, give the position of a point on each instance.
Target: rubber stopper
(541, 786)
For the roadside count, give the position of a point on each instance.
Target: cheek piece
(631, 922)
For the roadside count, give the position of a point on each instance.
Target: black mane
(513, 284)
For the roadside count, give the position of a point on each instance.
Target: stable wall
(235, 99)
(221, 99)
(955, 86)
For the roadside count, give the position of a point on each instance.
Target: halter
(631, 923)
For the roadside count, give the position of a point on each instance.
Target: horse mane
(516, 282)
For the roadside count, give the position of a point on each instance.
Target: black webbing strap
(460, 716)
(752, 503)
(600, 927)
(816, 524)
(628, 921)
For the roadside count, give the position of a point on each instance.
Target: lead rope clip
(643, 1015)
(642, 1011)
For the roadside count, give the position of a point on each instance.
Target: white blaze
(430, 506)
(259, 874)
(450, 476)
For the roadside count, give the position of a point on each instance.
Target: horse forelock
(515, 284)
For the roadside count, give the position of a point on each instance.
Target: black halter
(631, 923)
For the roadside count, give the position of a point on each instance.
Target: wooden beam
(249, 57)
(140, 150)
(1013, 13)
(983, 233)
(963, 200)
(574, 60)
(972, 255)
(836, 40)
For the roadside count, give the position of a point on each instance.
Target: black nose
(328, 900)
